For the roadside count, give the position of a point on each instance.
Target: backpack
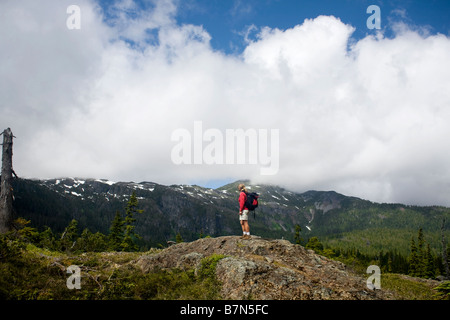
(252, 201)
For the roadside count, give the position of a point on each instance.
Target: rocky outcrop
(266, 269)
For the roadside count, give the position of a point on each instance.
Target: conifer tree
(430, 268)
(421, 254)
(314, 244)
(69, 236)
(421, 260)
(47, 239)
(389, 264)
(116, 232)
(413, 260)
(91, 242)
(128, 243)
(297, 237)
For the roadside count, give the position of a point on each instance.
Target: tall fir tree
(298, 239)
(430, 268)
(128, 243)
(413, 260)
(116, 231)
(421, 261)
(421, 254)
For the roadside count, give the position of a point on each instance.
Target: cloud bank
(367, 118)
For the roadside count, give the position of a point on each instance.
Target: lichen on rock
(265, 269)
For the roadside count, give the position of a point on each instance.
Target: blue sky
(228, 20)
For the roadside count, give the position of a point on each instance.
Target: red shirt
(242, 199)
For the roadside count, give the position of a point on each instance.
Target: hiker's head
(241, 187)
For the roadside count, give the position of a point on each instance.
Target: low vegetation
(34, 265)
(31, 273)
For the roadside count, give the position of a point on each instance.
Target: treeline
(378, 226)
(421, 262)
(389, 261)
(121, 236)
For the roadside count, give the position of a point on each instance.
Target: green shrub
(443, 291)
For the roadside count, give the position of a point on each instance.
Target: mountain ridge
(191, 210)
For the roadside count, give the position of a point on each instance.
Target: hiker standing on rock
(243, 212)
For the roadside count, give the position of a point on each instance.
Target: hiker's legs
(246, 230)
(245, 226)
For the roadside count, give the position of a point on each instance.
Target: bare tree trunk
(6, 191)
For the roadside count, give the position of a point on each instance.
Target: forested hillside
(193, 210)
(69, 219)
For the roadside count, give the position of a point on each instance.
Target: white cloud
(368, 120)
(132, 23)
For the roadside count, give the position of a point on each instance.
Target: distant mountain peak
(192, 210)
